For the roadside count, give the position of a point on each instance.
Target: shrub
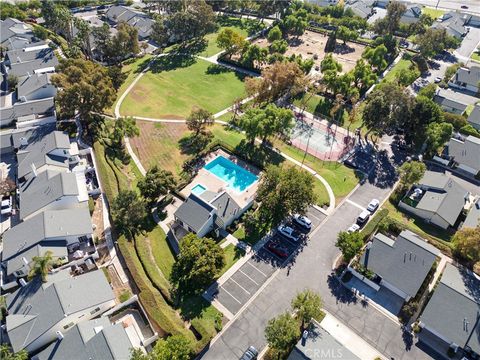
(91, 205)
(125, 295)
(469, 130)
(370, 228)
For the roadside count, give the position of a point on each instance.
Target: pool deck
(215, 184)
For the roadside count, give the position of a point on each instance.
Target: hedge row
(372, 225)
(162, 315)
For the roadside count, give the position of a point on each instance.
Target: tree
(83, 86)
(376, 57)
(230, 41)
(103, 41)
(41, 266)
(8, 10)
(175, 347)
(308, 306)
(156, 183)
(253, 54)
(128, 213)
(345, 34)
(407, 76)
(331, 42)
(198, 120)
(123, 127)
(12, 82)
(425, 111)
(410, 173)
(391, 22)
(434, 40)
(363, 75)
(437, 135)
(280, 79)
(467, 244)
(274, 34)
(5, 352)
(279, 46)
(117, 76)
(349, 244)
(428, 91)
(284, 191)
(40, 32)
(159, 31)
(282, 333)
(296, 23)
(199, 263)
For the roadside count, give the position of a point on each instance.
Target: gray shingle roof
(452, 99)
(474, 117)
(453, 310)
(466, 152)
(34, 107)
(33, 83)
(29, 54)
(31, 67)
(473, 217)
(403, 263)
(225, 205)
(44, 189)
(470, 76)
(38, 153)
(194, 212)
(36, 307)
(319, 341)
(443, 196)
(43, 229)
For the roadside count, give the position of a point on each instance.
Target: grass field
(401, 65)
(476, 55)
(176, 84)
(232, 254)
(434, 13)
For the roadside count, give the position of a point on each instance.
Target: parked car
(437, 79)
(250, 354)
(353, 228)
(363, 218)
(6, 208)
(303, 221)
(289, 232)
(464, 7)
(373, 206)
(277, 249)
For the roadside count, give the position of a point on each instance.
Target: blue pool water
(198, 189)
(235, 176)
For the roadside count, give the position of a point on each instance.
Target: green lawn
(175, 84)
(232, 254)
(476, 55)
(434, 13)
(401, 65)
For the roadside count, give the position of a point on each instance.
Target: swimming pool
(198, 189)
(235, 176)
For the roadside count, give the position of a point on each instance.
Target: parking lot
(247, 280)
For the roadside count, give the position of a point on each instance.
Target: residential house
(38, 313)
(466, 153)
(29, 113)
(466, 79)
(36, 87)
(51, 190)
(451, 101)
(437, 199)
(361, 8)
(49, 152)
(208, 211)
(400, 265)
(15, 34)
(138, 20)
(67, 234)
(473, 216)
(474, 117)
(317, 343)
(450, 322)
(412, 14)
(96, 339)
(453, 23)
(29, 61)
(323, 3)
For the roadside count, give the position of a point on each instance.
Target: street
(313, 269)
(473, 5)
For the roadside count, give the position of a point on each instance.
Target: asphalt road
(473, 5)
(312, 269)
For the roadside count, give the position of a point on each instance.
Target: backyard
(174, 84)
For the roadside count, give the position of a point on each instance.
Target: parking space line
(355, 204)
(240, 286)
(240, 270)
(234, 298)
(261, 272)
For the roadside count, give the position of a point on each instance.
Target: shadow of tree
(215, 69)
(191, 48)
(252, 26)
(342, 294)
(171, 62)
(192, 145)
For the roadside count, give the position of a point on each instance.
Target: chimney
(34, 170)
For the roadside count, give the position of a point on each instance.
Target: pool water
(235, 176)
(198, 189)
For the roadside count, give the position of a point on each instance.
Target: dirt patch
(97, 220)
(118, 286)
(158, 144)
(312, 43)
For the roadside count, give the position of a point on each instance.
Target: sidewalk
(349, 339)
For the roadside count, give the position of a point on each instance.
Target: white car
(288, 232)
(437, 79)
(303, 221)
(373, 206)
(353, 228)
(6, 208)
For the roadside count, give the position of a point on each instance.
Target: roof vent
(23, 141)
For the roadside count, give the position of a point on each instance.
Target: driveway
(313, 269)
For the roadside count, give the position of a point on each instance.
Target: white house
(38, 313)
(466, 153)
(412, 14)
(466, 79)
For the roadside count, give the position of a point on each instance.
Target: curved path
(212, 59)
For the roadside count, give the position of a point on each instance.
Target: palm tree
(41, 266)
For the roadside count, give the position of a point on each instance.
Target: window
(19, 273)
